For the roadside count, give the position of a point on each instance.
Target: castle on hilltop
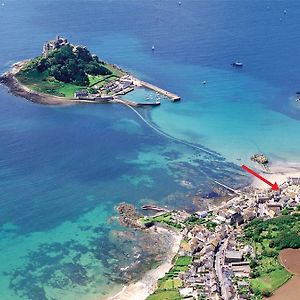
(54, 44)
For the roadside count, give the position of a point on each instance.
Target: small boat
(237, 64)
(153, 48)
(204, 82)
(179, 3)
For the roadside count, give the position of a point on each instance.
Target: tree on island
(70, 64)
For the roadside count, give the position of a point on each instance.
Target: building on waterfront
(80, 94)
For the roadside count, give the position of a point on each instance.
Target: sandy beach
(143, 288)
(279, 171)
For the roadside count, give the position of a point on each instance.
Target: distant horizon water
(64, 169)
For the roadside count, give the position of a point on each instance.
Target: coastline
(9, 80)
(279, 171)
(141, 289)
(18, 89)
(144, 287)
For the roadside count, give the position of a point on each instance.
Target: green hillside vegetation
(268, 238)
(66, 70)
(165, 295)
(165, 218)
(168, 285)
(194, 219)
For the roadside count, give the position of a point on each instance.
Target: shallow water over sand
(62, 170)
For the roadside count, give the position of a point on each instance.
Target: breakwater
(135, 104)
(171, 96)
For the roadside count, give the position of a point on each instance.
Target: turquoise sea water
(64, 169)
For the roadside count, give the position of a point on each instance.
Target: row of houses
(201, 279)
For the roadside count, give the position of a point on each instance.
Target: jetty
(227, 187)
(171, 96)
(135, 104)
(155, 208)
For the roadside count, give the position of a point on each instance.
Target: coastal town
(215, 260)
(149, 150)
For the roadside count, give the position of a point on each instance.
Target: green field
(42, 83)
(268, 283)
(268, 238)
(183, 261)
(96, 79)
(115, 71)
(168, 285)
(100, 80)
(194, 219)
(165, 295)
(165, 218)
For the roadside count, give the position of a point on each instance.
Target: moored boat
(237, 64)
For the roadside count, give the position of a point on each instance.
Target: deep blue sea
(63, 169)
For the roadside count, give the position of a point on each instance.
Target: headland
(69, 74)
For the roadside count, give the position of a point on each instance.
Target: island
(65, 73)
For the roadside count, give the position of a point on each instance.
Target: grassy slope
(100, 80)
(115, 71)
(165, 295)
(168, 285)
(270, 281)
(41, 82)
(163, 218)
(271, 274)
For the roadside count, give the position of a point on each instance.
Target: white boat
(153, 48)
(237, 64)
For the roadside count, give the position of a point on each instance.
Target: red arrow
(273, 186)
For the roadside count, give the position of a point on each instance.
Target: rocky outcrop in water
(129, 217)
(260, 158)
